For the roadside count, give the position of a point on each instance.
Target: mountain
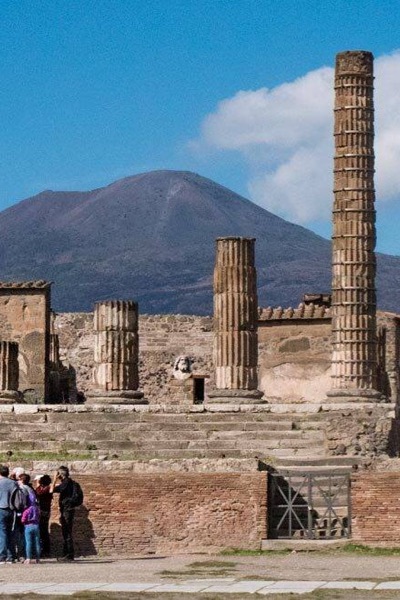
(151, 237)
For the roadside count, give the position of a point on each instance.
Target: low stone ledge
(188, 465)
(217, 407)
(25, 409)
(307, 407)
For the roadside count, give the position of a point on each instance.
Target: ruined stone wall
(161, 339)
(168, 512)
(295, 358)
(294, 354)
(25, 318)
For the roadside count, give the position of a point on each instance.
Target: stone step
(319, 461)
(103, 434)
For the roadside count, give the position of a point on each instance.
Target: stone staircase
(146, 435)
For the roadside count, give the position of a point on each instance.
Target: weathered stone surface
(235, 317)
(354, 357)
(162, 339)
(116, 352)
(116, 345)
(25, 319)
(9, 372)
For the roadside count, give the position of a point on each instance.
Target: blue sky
(97, 90)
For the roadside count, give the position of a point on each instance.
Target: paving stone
(69, 588)
(288, 587)
(19, 588)
(127, 587)
(388, 585)
(212, 580)
(349, 585)
(240, 587)
(181, 587)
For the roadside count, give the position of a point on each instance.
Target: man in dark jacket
(63, 485)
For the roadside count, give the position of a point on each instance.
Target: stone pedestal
(354, 333)
(116, 353)
(9, 373)
(235, 323)
(181, 392)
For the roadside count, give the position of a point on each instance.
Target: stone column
(9, 372)
(116, 353)
(235, 322)
(354, 358)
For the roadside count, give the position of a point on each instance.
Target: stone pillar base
(116, 397)
(235, 397)
(11, 397)
(355, 395)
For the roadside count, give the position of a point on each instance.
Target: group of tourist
(25, 508)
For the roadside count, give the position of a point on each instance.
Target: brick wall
(376, 507)
(168, 512)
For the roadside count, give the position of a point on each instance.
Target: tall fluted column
(9, 372)
(354, 358)
(116, 353)
(235, 322)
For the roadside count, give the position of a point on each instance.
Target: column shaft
(116, 352)
(116, 345)
(354, 357)
(235, 320)
(9, 372)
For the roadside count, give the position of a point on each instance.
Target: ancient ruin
(235, 322)
(250, 404)
(354, 358)
(116, 353)
(9, 372)
(25, 319)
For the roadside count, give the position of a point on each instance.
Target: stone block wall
(295, 358)
(294, 355)
(144, 513)
(161, 339)
(25, 318)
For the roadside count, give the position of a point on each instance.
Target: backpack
(77, 495)
(31, 514)
(18, 500)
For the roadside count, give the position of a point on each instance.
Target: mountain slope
(151, 237)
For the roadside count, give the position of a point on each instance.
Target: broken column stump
(116, 353)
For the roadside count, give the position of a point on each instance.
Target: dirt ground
(326, 566)
(332, 565)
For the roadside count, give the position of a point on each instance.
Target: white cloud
(285, 136)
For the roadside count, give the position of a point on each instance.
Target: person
(18, 530)
(45, 498)
(16, 472)
(7, 491)
(62, 484)
(30, 519)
